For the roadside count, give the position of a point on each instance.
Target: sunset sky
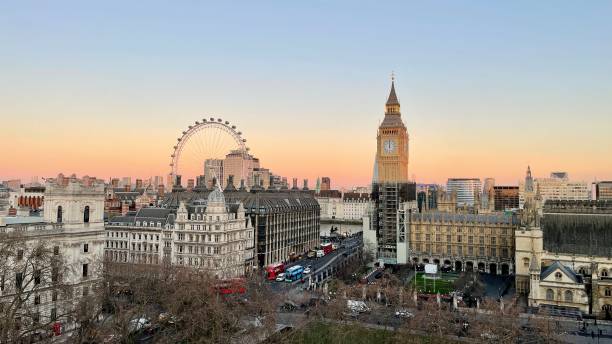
(486, 88)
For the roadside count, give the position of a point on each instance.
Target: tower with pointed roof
(392, 143)
(391, 189)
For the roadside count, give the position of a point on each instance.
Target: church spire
(392, 106)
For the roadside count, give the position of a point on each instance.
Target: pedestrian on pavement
(592, 334)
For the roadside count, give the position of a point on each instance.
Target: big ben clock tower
(392, 192)
(392, 143)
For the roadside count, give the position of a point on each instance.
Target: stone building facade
(463, 241)
(563, 257)
(286, 222)
(205, 233)
(73, 228)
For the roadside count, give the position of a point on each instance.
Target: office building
(467, 190)
(603, 191)
(556, 188)
(506, 197)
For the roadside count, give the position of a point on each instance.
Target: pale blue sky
(486, 87)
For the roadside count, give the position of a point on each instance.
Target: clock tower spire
(392, 139)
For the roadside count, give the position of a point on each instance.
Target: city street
(346, 245)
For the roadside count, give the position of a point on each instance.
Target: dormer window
(558, 276)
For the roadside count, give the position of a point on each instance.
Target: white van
(320, 253)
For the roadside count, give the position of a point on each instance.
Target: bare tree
(34, 292)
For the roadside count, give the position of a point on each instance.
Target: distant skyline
(486, 88)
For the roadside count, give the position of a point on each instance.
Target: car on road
(307, 270)
(320, 253)
(280, 277)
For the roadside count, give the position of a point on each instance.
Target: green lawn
(325, 333)
(443, 285)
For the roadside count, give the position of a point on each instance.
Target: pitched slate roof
(566, 270)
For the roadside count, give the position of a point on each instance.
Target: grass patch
(328, 333)
(443, 285)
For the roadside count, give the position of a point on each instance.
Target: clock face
(389, 146)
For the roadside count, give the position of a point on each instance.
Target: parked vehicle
(320, 253)
(280, 277)
(311, 254)
(307, 270)
(403, 313)
(356, 306)
(294, 273)
(274, 269)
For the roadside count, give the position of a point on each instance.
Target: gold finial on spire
(392, 76)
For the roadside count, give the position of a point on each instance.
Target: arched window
(59, 214)
(86, 214)
(526, 262)
(558, 276)
(550, 294)
(569, 296)
(604, 273)
(608, 292)
(582, 270)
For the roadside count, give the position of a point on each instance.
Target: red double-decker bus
(231, 286)
(327, 248)
(274, 269)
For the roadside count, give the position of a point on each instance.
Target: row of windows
(459, 229)
(460, 238)
(140, 235)
(568, 295)
(459, 250)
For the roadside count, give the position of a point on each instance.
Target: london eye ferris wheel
(203, 145)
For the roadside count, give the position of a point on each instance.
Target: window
(481, 251)
(437, 237)
(558, 276)
(55, 250)
(604, 273)
(481, 240)
(37, 274)
(37, 300)
(53, 314)
(550, 295)
(493, 240)
(470, 250)
(54, 274)
(18, 280)
(526, 262)
(86, 214)
(448, 238)
(493, 252)
(448, 250)
(85, 270)
(36, 317)
(59, 214)
(54, 295)
(85, 290)
(19, 254)
(608, 292)
(85, 248)
(568, 296)
(458, 238)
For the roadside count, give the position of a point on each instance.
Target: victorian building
(286, 221)
(459, 237)
(68, 244)
(205, 233)
(563, 256)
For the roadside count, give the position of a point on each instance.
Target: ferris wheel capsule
(203, 119)
(219, 120)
